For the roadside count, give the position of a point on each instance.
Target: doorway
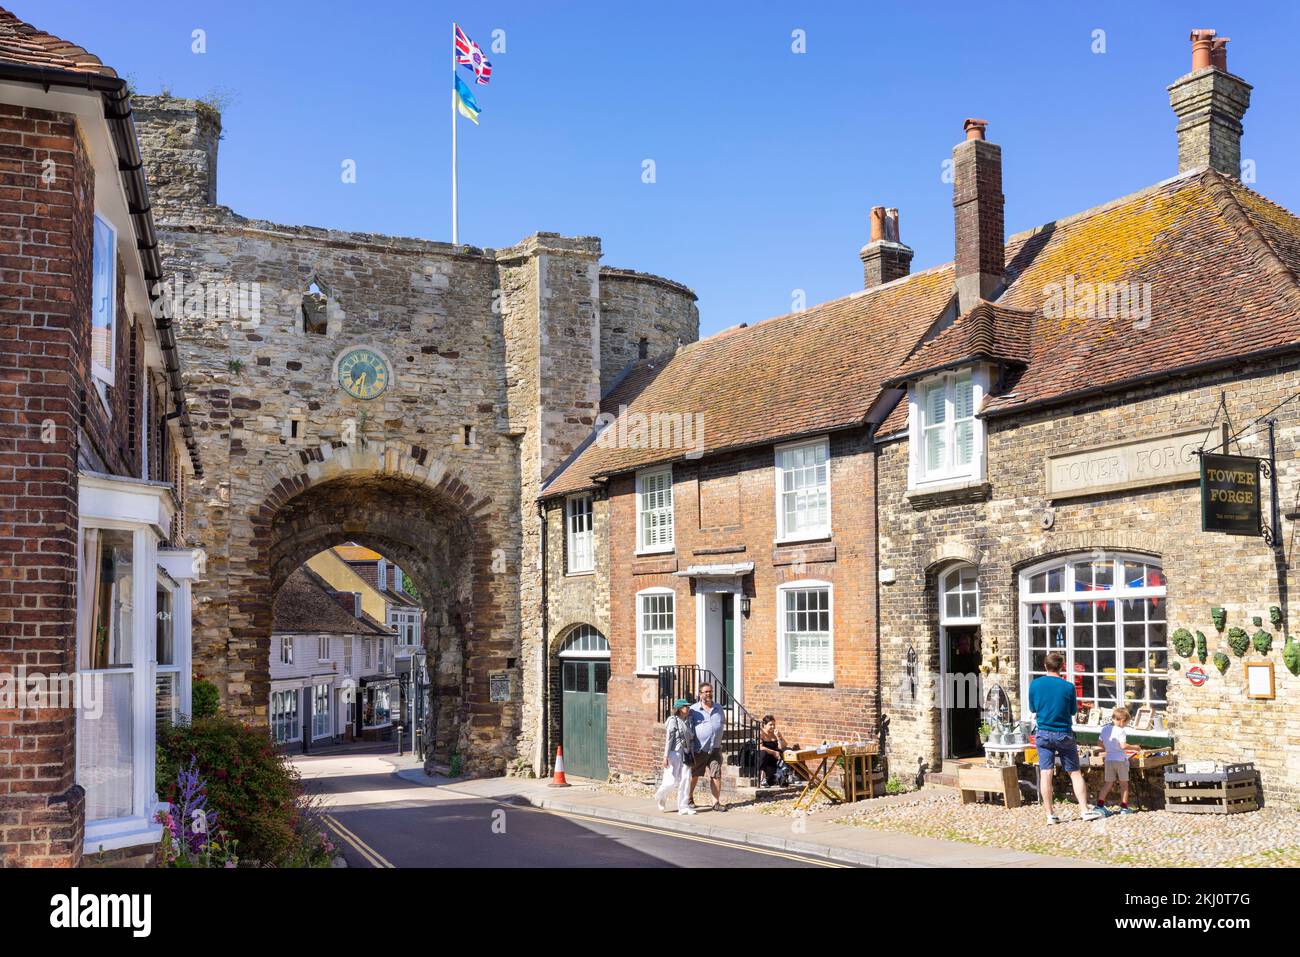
(960, 657)
(719, 645)
(585, 716)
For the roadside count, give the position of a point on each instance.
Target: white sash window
(654, 492)
(946, 438)
(656, 635)
(804, 632)
(803, 491)
(579, 539)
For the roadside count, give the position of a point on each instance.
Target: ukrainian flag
(465, 102)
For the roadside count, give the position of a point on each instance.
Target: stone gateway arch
(407, 395)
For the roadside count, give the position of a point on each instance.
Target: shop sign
(1124, 465)
(1230, 498)
(1196, 675)
(499, 686)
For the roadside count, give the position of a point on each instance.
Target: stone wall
(496, 358)
(636, 306)
(999, 530)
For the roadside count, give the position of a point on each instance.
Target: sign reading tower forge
(493, 364)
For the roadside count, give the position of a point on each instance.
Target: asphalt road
(379, 820)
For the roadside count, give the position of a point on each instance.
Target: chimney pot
(1202, 49)
(975, 128)
(1219, 54)
(877, 223)
(884, 258)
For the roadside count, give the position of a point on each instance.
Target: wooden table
(817, 779)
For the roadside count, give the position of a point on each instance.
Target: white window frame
(643, 664)
(105, 374)
(279, 716)
(654, 548)
(323, 648)
(783, 673)
(1068, 596)
(950, 472)
(580, 544)
(945, 575)
(165, 582)
(784, 534)
(586, 641)
(286, 649)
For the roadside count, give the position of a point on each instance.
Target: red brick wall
(45, 268)
(739, 490)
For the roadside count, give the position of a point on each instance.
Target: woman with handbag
(679, 745)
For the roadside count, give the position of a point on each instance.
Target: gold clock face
(363, 373)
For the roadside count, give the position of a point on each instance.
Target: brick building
(999, 435)
(97, 456)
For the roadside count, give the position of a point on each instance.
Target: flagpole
(455, 216)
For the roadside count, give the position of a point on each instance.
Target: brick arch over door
(425, 518)
(555, 690)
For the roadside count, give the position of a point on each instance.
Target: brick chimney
(977, 203)
(885, 258)
(1210, 103)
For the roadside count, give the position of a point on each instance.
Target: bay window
(1107, 617)
(579, 550)
(803, 491)
(946, 438)
(654, 495)
(804, 632)
(656, 639)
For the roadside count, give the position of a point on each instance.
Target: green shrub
(253, 788)
(204, 698)
(453, 765)
(895, 785)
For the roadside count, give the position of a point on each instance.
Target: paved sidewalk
(808, 835)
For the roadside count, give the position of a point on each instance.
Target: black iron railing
(740, 730)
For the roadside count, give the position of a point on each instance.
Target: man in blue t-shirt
(1052, 700)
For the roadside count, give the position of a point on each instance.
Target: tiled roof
(988, 331)
(307, 604)
(797, 374)
(1212, 264)
(357, 553)
(22, 43)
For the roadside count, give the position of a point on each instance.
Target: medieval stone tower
(490, 365)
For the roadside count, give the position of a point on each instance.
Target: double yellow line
(371, 856)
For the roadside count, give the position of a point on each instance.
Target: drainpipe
(543, 739)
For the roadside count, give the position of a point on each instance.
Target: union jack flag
(469, 55)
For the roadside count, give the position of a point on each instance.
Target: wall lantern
(744, 607)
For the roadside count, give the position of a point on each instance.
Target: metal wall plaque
(1230, 498)
(499, 686)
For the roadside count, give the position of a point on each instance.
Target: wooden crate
(1004, 781)
(1230, 791)
(1148, 758)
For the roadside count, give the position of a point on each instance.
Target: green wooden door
(586, 693)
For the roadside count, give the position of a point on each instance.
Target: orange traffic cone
(557, 781)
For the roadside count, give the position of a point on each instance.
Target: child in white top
(1114, 736)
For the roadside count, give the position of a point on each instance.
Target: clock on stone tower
(363, 373)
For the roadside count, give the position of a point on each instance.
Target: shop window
(1107, 616)
(284, 716)
(804, 633)
(656, 639)
(320, 712)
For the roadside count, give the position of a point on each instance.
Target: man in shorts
(706, 721)
(1052, 700)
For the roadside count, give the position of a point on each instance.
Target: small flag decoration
(469, 55)
(466, 105)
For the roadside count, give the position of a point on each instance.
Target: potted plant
(984, 732)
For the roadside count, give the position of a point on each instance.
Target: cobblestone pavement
(1269, 837)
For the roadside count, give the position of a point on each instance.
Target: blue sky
(767, 161)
